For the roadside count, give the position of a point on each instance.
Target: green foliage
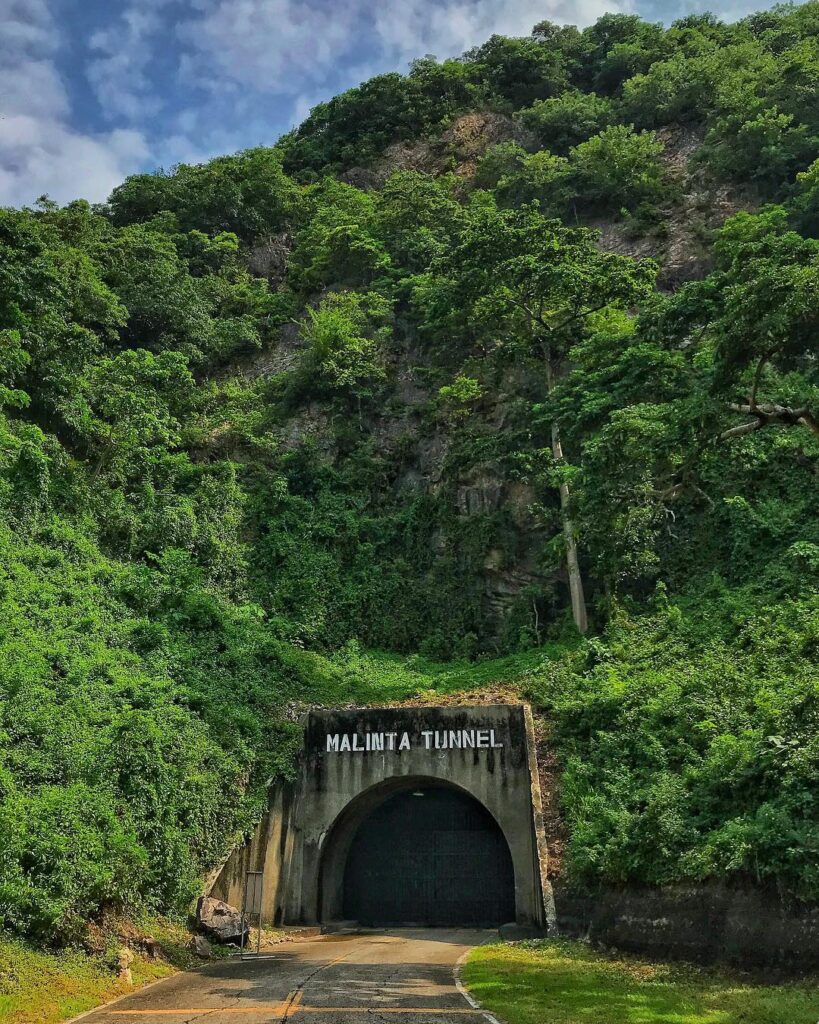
(566, 120)
(541, 178)
(356, 126)
(339, 243)
(619, 167)
(711, 721)
(344, 338)
(458, 396)
(247, 194)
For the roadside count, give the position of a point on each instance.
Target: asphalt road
(403, 976)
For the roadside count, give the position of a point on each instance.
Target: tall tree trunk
(572, 562)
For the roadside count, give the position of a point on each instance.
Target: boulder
(201, 947)
(220, 921)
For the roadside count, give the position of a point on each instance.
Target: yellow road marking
(278, 1008)
(293, 1001)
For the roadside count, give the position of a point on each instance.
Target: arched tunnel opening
(428, 854)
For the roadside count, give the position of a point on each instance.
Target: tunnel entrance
(430, 855)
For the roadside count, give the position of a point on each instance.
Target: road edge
(125, 995)
(473, 1002)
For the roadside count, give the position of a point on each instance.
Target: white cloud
(26, 25)
(119, 71)
(238, 63)
(39, 155)
(410, 28)
(39, 150)
(290, 47)
(34, 88)
(269, 45)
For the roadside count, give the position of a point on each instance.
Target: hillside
(499, 373)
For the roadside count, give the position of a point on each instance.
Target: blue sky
(91, 91)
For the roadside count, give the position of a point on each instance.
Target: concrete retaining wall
(748, 927)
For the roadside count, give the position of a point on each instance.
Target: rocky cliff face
(487, 516)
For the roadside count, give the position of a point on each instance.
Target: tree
(566, 120)
(344, 337)
(248, 194)
(532, 284)
(520, 71)
(619, 167)
(56, 305)
(758, 313)
(340, 242)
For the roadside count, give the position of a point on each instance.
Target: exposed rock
(201, 947)
(682, 248)
(469, 137)
(481, 494)
(680, 143)
(408, 390)
(147, 946)
(362, 178)
(219, 920)
(520, 498)
(459, 148)
(269, 258)
(417, 155)
(278, 356)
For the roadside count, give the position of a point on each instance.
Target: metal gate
(432, 856)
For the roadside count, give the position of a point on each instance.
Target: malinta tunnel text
(430, 739)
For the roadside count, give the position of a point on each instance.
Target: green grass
(43, 987)
(355, 676)
(562, 982)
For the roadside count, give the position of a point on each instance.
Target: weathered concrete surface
(404, 976)
(748, 927)
(302, 843)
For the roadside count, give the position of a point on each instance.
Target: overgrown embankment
(44, 987)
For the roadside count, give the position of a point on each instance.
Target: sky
(94, 90)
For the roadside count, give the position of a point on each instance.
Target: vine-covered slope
(513, 356)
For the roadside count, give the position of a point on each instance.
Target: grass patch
(566, 982)
(43, 987)
(356, 676)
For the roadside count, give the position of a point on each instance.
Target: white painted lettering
(430, 739)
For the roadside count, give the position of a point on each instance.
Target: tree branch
(743, 428)
(769, 413)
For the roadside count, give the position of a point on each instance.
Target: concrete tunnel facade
(347, 837)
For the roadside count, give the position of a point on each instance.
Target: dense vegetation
(256, 418)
